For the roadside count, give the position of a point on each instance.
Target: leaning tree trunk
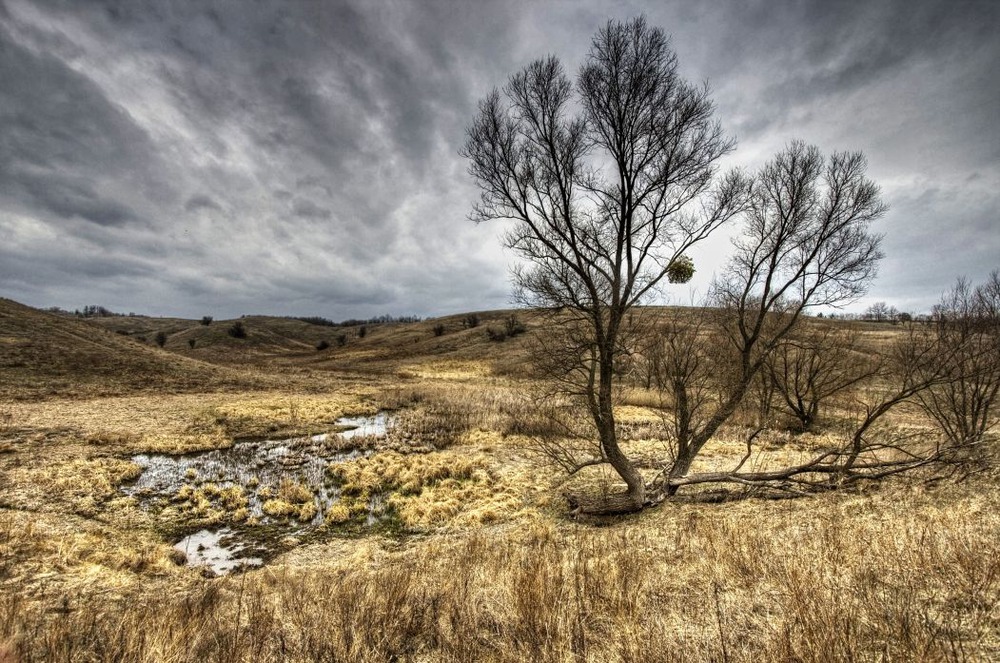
(692, 442)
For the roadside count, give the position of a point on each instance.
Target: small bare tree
(609, 184)
(878, 312)
(968, 327)
(815, 363)
(869, 450)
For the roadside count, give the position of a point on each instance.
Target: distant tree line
(95, 311)
(381, 319)
(880, 312)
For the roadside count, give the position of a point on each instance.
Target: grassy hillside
(382, 347)
(46, 355)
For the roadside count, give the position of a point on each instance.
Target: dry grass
(455, 488)
(898, 575)
(490, 567)
(183, 423)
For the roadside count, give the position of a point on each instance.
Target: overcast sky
(301, 158)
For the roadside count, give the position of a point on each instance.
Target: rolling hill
(44, 354)
(290, 342)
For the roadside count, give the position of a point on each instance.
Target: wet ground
(220, 550)
(255, 470)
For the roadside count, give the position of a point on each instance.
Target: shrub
(237, 330)
(342, 340)
(494, 335)
(513, 327)
(322, 345)
(470, 321)
(161, 338)
(95, 311)
(438, 330)
(191, 342)
(206, 320)
(362, 332)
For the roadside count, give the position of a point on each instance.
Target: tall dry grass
(901, 574)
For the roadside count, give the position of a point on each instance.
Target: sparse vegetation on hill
(43, 355)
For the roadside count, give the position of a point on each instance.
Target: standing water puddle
(249, 474)
(220, 551)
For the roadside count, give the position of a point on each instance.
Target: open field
(474, 557)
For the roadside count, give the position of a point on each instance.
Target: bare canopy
(609, 182)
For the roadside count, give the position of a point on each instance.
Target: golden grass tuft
(337, 514)
(294, 492)
(278, 508)
(409, 473)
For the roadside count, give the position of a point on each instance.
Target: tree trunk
(618, 460)
(681, 466)
(636, 495)
(601, 505)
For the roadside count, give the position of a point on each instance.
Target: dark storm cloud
(301, 158)
(62, 140)
(68, 199)
(782, 60)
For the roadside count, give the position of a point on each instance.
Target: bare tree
(968, 328)
(815, 363)
(606, 202)
(878, 312)
(869, 450)
(805, 243)
(609, 185)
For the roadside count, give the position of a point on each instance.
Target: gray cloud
(201, 201)
(301, 158)
(310, 210)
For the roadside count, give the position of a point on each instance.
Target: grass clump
(278, 508)
(209, 503)
(426, 491)
(337, 514)
(290, 499)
